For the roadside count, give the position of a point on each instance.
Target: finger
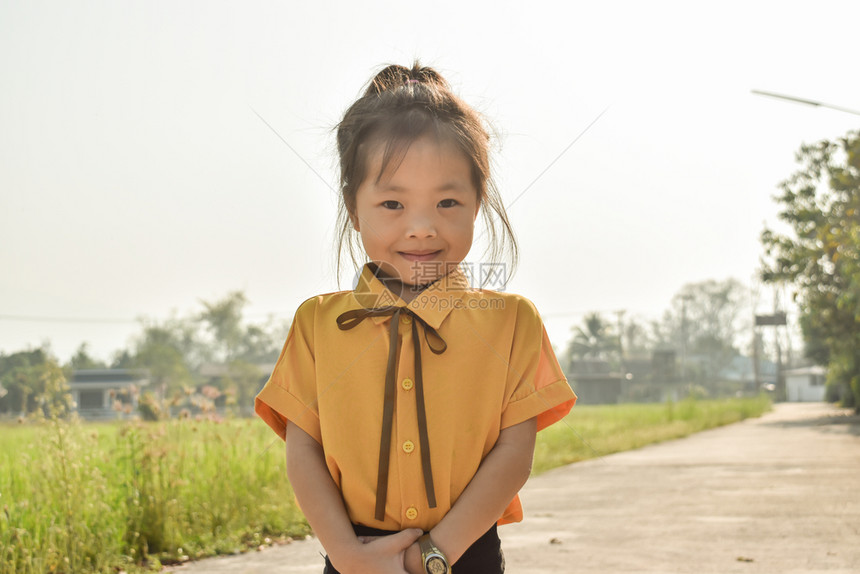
(402, 540)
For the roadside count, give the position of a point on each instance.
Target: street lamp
(805, 101)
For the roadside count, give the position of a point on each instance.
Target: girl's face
(417, 221)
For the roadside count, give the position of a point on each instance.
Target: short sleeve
(290, 392)
(536, 385)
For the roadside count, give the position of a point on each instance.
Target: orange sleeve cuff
(276, 406)
(549, 404)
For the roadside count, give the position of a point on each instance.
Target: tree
(594, 340)
(34, 383)
(704, 323)
(82, 360)
(159, 349)
(223, 319)
(262, 344)
(123, 359)
(242, 350)
(637, 339)
(16, 379)
(820, 256)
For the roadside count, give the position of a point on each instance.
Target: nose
(421, 225)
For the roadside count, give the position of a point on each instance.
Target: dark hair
(398, 106)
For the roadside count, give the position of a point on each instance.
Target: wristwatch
(434, 560)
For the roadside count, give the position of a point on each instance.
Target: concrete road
(776, 495)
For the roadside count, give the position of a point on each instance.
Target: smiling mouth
(419, 255)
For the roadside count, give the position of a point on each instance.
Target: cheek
(464, 232)
(468, 223)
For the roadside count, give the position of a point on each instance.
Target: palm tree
(593, 341)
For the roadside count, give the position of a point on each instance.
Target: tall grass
(97, 498)
(79, 498)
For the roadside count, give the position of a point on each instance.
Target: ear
(354, 220)
(477, 210)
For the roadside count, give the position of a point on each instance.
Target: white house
(805, 385)
(107, 393)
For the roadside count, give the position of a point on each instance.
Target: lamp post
(805, 101)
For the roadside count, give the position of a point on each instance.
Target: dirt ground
(778, 494)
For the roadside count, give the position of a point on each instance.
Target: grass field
(102, 497)
(596, 430)
(84, 497)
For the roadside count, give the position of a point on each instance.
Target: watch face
(436, 565)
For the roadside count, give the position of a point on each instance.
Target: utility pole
(624, 375)
(756, 368)
(684, 299)
(754, 298)
(776, 320)
(780, 383)
(619, 317)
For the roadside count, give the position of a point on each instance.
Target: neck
(406, 291)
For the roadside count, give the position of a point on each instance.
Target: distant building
(596, 388)
(594, 382)
(664, 366)
(805, 385)
(107, 393)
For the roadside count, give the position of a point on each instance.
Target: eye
(390, 204)
(448, 203)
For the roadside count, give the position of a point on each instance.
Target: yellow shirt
(498, 370)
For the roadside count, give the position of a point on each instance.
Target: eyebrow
(451, 186)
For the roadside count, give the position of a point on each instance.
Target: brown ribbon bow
(350, 319)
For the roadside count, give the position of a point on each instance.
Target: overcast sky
(136, 177)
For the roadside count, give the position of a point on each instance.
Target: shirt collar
(433, 304)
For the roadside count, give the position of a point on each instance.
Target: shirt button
(408, 446)
(411, 513)
(407, 384)
(405, 319)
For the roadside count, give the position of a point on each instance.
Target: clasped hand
(394, 554)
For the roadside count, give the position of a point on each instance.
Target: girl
(410, 405)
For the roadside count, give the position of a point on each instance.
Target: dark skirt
(484, 556)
